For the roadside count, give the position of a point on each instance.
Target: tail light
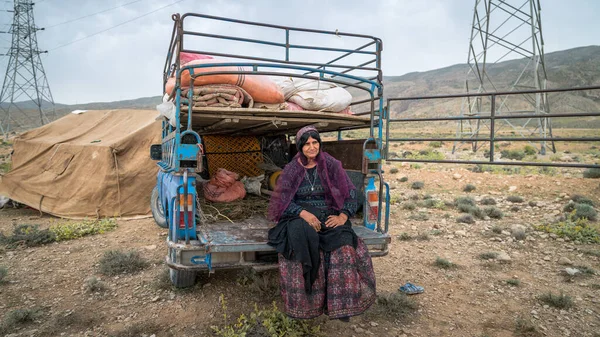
(186, 208)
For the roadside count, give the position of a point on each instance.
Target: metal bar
(233, 38)
(500, 139)
(493, 163)
(492, 126)
(549, 115)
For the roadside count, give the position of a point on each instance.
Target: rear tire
(182, 278)
(157, 209)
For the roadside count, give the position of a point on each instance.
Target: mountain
(577, 67)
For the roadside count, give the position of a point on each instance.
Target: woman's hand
(336, 220)
(312, 220)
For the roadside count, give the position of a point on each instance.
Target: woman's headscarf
(335, 181)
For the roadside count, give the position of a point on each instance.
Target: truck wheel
(182, 278)
(157, 209)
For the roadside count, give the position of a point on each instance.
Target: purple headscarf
(336, 183)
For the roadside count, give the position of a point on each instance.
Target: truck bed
(252, 121)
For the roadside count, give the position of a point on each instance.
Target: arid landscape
(473, 240)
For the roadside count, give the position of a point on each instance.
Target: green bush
(488, 255)
(488, 201)
(465, 218)
(403, 179)
(584, 211)
(561, 301)
(409, 206)
(580, 199)
(394, 170)
(573, 228)
(515, 199)
(115, 262)
(419, 216)
(469, 188)
(404, 237)
(592, 173)
(513, 282)
(74, 230)
(28, 235)
(444, 263)
(435, 145)
(493, 212)
(497, 229)
(18, 317)
(529, 150)
(464, 200)
(512, 154)
(417, 185)
(394, 305)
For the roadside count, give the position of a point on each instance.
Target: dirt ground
(473, 299)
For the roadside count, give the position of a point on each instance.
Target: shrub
(526, 328)
(513, 282)
(574, 229)
(532, 203)
(404, 237)
(569, 207)
(409, 205)
(393, 305)
(473, 210)
(435, 145)
(465, 218)
(529, 150)
(427, 197)
(595, 253)
(512, 154)
(403, 179)
(514, 209)
(413, 196)
(488, 201)
(444, 264)
(93, 284)
(469, 188)
(266, 322)
(394, 170)
(68, 231)
(592, 173)
(488, 255)
(519, 234)
(584, 211)
(515, 199)
(580, 199)
(419, 216)
(115, 262)
(433, 203)
(417, 185)
(415, 166)
(493, 212)
(464, 200)
(561, 301)
(28, 235)
(17, 317)
(497, 229)
(422, 237)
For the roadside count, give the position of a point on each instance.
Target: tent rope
(114, 151)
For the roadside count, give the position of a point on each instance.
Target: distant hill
(576, 67)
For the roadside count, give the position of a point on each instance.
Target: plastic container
(372, 209)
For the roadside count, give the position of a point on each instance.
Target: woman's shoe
(345, 319)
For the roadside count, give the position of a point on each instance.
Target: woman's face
(311, 148)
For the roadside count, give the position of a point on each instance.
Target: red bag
(224, 187)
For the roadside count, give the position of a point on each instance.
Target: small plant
(525, 328)
(469, 188)
(514, 208)
(465, 218)
(515, 199)
(595, 253)
(433, 203)
(435, 145)
(403, 179)
(519, 234)
(584, 211)
(404, 237)
(414, 196)
(513, 282)
(415, 166)
(436, 232)
(512, 154)
(74, 230)
(574, 229)
(585, 270)
(394, 170)
(419, 216)
(417, 185)
(423, 236)
(18, 317)
(93, 285)
(115, 262)
(488, 255)
(488, 201)
(464, 200)
(409, 206)
(493, 212)
(592, 173)
(28, 235)
(532, 203)
(529, 150)
(497, 229)
(580, 199)
(394, 305)
(444, 264)
(561, 301)
(3, 274)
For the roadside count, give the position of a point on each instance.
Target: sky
(117, 51)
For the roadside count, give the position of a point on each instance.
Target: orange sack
(261, 88)
(224, 187)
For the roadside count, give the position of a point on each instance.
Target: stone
(512, 188)
(456, 176)
(572, 271)
(503, 256)
(565, 261)
(461, 233)
(374, 324)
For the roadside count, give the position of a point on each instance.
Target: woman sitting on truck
(324, 267)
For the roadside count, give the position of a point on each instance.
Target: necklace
(312, 183)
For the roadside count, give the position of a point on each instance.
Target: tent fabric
(95, 164)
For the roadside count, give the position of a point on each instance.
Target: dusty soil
(471, 300)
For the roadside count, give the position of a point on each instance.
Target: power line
(87, 16)
(120, 24)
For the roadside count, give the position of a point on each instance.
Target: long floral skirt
(345, 285)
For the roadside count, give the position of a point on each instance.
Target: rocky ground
(475, 297)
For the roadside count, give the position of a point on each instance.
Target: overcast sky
(126, 61)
